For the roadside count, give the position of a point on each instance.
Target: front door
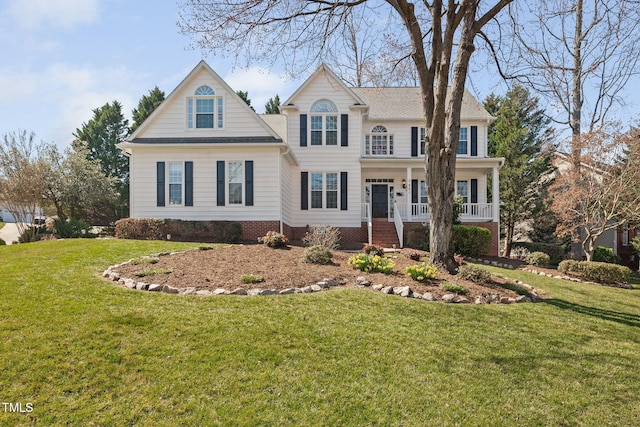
(379, 201)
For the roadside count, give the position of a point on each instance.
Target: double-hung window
(205, 110)
(324, 123)
(422, 134)
(324, 190)
(175, 183)
(423, 192)
(463, 142)
(378, 142)
(236, 172)
(462, 189)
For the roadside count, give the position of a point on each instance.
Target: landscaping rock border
(111, 273)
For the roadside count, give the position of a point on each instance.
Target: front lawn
(83, 351)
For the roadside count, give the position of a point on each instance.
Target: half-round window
(379, 129)
(378, 142)
(205, 91)
(324, 106)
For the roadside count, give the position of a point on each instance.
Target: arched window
(324, 123)
(209, 109)
(378, 142)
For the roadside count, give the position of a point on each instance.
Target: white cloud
(33, 14)
(55, 101)
(260, 84)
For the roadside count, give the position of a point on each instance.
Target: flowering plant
(421, 272)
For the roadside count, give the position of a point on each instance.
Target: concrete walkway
(9, 233)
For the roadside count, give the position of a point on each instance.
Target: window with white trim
(422, 135)
(235, 180)
(378, 142)
(625, 234)
(205, 110)
(324, 190)
(463, 142)
(175, 183)
(423, 192)
(462, 189)
(324, 123)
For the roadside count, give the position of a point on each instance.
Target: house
(347, 157)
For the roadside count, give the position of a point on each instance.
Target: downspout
(280, 186)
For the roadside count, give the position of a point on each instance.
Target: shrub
(373, 263)
(152, 272)
(470, 241)
(474, 274)
(421, 272)
(140, 229)
(2, 242)
(515, 288)
(205, 248)
(273, 239)
(322, 235)
(317, 254)
(555, 252)
(373, 250)
(418, 237)
(413, 256)
(538, 259)
(602, 254)
(459, 259)
(602, 272)
(454, 287)
(251, 278)
(32, 234)
(599, 272)
(569, 266)
(72, 228)
(144, 260)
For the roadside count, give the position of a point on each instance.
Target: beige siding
(332, 159)
(172, 121)
(266, 183)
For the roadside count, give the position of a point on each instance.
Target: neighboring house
(347, 157)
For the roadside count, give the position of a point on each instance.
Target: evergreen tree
(272, 106)
(244, 95)
(146, 106)
(522, 135)
(106, 128)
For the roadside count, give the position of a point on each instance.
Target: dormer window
(324, 123)
(378, 142)
(205, 110)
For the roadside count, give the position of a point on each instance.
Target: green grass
(2, 224)
(87, 352)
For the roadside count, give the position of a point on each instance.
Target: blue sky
(63, 58)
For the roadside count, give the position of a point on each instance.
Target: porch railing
(365, 214)
(419, 212)
(397, 220)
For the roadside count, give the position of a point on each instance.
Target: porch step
(383, 233)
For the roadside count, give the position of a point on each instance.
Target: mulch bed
(222, 267)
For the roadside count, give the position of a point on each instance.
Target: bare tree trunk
(576, 114)
(508, 240)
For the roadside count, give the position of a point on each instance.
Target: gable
(230, 118)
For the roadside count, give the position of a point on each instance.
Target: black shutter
(303, 130)
(248, 182)
(304, 191)
(474, 191)
(343, 191)
(414, 191)
(344, 130)
(160, 183)
(474, 140)
(220, 182)
(188, 183)
(414, 141)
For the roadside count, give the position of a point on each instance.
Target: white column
(495, 194)
(407, 196)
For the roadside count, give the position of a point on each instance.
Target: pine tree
(244, 95)
(146, 106)
(272, 106)
(522, 135)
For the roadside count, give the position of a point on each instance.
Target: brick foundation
(251, 230)
(352, 237)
